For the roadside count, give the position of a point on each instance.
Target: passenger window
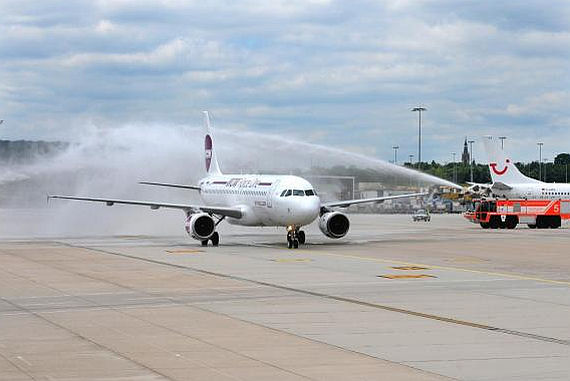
(298, 192)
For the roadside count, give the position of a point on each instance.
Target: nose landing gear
(295, 236)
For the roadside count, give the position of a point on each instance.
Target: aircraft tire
(289, 243)
(215, 239)
(532, 226)
(295, 244)
(205, 242)
(301, 235)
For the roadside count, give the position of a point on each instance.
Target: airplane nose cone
(309, 209)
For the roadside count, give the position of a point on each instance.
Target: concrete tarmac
(394, 300)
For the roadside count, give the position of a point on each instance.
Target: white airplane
(251, 200)
(509, 182)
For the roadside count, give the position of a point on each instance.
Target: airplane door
(269, 199)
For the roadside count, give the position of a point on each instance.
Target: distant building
(465, 155)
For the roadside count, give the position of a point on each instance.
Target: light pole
(540, 144)
(419, 109)
(411, 156)
(545, 160)
(454, 173)
(502, 138)
(471, 157)
(395, 154)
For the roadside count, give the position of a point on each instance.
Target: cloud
(352, 69)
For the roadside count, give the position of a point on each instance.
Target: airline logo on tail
(502, 171)
(208, 148)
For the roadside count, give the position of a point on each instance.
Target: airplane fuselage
(264, 200)
(536, 191)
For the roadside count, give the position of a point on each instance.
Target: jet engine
(200, 226)
(334, 224)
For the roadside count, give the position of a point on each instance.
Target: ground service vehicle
(421, 215)
(507, 214)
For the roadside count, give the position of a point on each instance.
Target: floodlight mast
(454, 172)
(395, 148)
(540, 144)
(419, 109)
(502, 139)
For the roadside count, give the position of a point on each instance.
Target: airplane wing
(497, 185)
(228, 212)
(347, 203)
(170, 185)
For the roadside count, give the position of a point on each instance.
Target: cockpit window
(310, 192)
(288, 193)
(298, 192)
(283, 193)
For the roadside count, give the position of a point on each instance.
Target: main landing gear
(295, 236)
(215, 238)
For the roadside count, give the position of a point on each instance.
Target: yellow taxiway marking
(409, 268)
(406, 276)
(505, 275)
(184, 251)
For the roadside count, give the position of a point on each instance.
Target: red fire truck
(507, 214)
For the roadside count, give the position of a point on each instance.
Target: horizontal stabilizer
(497, 185)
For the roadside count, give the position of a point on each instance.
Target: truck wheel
(512, 222)
(484, 225)
(542, 222)
(494, 222)
(555, 222)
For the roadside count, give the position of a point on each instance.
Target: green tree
(562, 159)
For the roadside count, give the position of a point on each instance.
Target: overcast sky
(338, 73)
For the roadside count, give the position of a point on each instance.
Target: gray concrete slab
(492, 305)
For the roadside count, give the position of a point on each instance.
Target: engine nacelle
(334, 224)
(200, 226)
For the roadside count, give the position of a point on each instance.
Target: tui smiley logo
(502, 171)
